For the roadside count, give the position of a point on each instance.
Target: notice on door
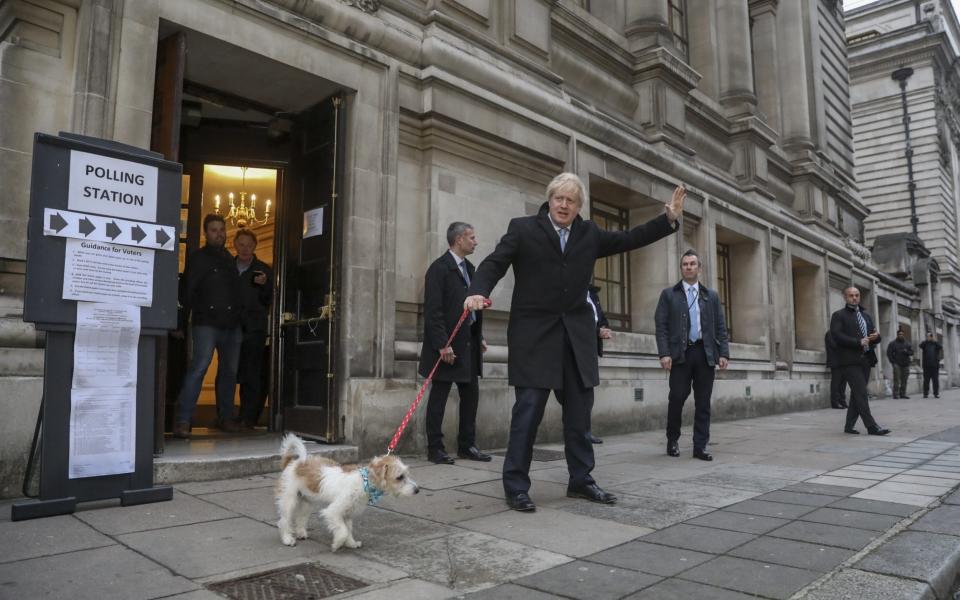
(102, 431)
(313, 223)
(109, 273)
(105, 345)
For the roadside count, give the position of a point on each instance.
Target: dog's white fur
(309, 481)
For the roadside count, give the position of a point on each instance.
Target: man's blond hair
(566, 180)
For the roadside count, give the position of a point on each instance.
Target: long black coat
(256, 299)
(673, 324)
(831, 349)
(601, 318)
(846, 335)
(550, 291)
(444, 291)
(211, 288)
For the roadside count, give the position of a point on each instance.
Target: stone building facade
(464, 110)
(904, 94)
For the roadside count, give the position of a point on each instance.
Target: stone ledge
(167, 470)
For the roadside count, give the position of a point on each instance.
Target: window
(610, 274)
(677, 21)
(723, 285)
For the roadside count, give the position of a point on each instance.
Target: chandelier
(243, 213)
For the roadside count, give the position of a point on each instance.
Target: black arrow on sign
(113, 230)
(86, 226)
(137, 234)
(57, 222)
(162, 237)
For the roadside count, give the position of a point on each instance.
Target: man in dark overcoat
(856, 338)
(445, 287)
(552, 334)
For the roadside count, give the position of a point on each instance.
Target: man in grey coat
(691, 342)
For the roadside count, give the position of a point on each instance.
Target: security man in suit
(552, 334)
(461, 362)
(856, 338)
(691, 342)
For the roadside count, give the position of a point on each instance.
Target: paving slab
(736, 521)
(556, 530)
(701, 539)
(95, 574)
(855, 474)
(914, 488)
(197, 595)
(943, 519)
(408, 589)
(929, 557)
(883, 463)
(650, 558)
(854, 482)
(678, 589)
(52, 535)
(509, 591)
(445, 506)
(466, 561)
(353, 564)
(922, 478)
(741, 481)
(895, 497)
(685, 491)
(651, 513)
(797, 498)
(205, 549)
(828, 535)
(438, 477)
(854, 584)
(770, 509)
(852, 518)
(923, 471)
(953, 498)
(198, 488)
(818, 488)
(792, 553)
(871, 469)
(543, 493)
(589, 581)
(182, 510)
(256, 503)
(378, 528)
(752, 577)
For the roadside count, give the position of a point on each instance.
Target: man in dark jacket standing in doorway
(691, 342)
(899, 352)
(932, 355)
(256, 288)
(444, 289)
(552, 335)
(211, 294)
(856, 338)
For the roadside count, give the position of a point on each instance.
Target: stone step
(21, 362)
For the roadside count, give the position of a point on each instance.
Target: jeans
(227, 344)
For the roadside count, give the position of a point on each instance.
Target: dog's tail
(291, 449)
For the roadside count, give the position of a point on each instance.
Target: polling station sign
(110, 186)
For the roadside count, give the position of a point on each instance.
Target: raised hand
(674, 208)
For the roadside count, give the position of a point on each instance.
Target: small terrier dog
(308, 481)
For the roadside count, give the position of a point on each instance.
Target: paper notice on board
(103, 272)
(102, 431)
(105, 345)
(313, 222)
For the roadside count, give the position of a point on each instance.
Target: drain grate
(541, 454)
(302, 582)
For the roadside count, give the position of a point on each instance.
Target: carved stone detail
(367, 6)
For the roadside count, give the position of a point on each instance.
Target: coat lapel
(544, 222)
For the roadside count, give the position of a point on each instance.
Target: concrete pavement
(791, 508)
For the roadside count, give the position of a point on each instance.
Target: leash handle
(423, 388)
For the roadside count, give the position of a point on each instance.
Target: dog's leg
(351, 543)
(301, 517)
(287, 505)
(333, 515)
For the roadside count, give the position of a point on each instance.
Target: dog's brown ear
(378, 470)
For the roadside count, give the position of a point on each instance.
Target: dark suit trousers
(856, 377)
(696, 373)
(575, 400)
(838, 387)
(436, 406)
(250, 375)
(931, 374)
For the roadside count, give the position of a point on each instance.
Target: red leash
(423, 388)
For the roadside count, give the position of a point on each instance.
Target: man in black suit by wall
(552, 333)
(856, 338)
(445, 287)
(692, 342)
(932, 353)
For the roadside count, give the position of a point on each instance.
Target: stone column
(764, 15)
(795, 133)
(647, 23)
(95, 87)
(736, 63)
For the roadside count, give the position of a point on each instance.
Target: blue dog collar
(373, 492)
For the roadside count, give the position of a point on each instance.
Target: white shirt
(458, 259)
(696, 295)
(596, 317)
(557, 228)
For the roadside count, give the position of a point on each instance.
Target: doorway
(270, 161)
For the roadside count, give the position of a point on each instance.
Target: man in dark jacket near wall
(856, 338)
(256, 295)
(899, 352)
(211, 292)
(932, 355)
(838, 385)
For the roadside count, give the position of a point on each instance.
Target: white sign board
(102, 431)
(65, 223)
(110, 186)
(102, 272)
(313, 222)
(105, 345)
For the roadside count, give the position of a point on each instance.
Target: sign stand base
(160, 493)
(34, 509)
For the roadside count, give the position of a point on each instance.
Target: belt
(696, 343)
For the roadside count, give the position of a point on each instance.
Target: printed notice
(109, 273)
(313, 222)
(110, 186)
(102, 431)
(105, 345)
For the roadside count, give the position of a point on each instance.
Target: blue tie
(466, 277)
(692, 305)
(563, 238)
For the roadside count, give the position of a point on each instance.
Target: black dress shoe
(702, 455)
(673, 449)
(593, 439)
(836, 406)
(851, 430)
(904, 397)
(521, 502)
(591, 492)
(844, 405)
(878, 431)
(440, 457)
(473, 453)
